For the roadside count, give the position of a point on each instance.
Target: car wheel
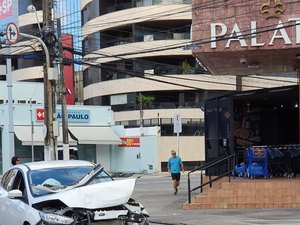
(26, 223)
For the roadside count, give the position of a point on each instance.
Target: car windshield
(53, 180)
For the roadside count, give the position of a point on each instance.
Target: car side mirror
(15, 194)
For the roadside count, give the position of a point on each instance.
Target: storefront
(91, 130)
(268, 117)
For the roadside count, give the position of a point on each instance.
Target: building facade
(259, 37)
(137, 61)
(135, 48)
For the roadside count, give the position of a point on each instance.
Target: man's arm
(182, 168)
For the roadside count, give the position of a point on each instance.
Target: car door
(18, 209)
(7, 206)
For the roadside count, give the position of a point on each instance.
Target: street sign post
(12, 33)
(177, 123)
(9, 17)
(177, 128)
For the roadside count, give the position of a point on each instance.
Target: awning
(95, 135)
(23, 133)
(80, 134)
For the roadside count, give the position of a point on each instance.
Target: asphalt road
(156, 194)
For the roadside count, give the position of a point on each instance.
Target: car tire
(26, 223)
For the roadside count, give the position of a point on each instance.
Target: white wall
(23, 90)
(136, 159)
(103, 156)
(99, 116)
(190, 148)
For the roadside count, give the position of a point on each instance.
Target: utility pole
(49, 147)
(298, 76)
(62, 91)
(141, 102)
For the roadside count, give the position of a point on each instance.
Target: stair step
(248, 199)
(240, 206)
(249, 193)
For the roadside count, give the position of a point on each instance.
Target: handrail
(220, 161)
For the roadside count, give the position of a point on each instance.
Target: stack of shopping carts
(280, 159)
(257, 162)
(270, 161)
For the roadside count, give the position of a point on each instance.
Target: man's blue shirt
(174, 163)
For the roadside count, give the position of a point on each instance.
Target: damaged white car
(67, 192)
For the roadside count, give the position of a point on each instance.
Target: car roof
(56, 163)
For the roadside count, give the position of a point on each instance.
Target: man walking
(174, 167)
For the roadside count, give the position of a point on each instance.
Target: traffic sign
(12, 33)
(177, 123)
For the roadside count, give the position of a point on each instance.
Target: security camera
(243, 60)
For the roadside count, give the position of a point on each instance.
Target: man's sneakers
(176, 190)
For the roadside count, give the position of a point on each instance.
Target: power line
(132, 74)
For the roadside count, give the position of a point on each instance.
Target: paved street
(156, 194)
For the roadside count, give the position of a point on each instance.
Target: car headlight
(54, 219)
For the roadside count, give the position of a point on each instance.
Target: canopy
(80, 134)
(95, 135)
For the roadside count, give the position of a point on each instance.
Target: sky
(69, 13)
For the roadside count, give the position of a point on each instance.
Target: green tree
(186, 67)
(146, 101)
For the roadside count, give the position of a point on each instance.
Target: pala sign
(219, 31)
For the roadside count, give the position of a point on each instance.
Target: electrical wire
(152, 50)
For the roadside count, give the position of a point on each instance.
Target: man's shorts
(175, 176)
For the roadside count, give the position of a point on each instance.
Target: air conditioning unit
(148, 37)
(149, 72)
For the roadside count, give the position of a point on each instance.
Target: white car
(67, 192)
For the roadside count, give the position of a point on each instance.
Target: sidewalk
(156, 194)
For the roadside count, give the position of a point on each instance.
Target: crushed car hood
(94, 196)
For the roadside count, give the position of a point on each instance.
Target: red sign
(40, 115)
(130, 142)
(6, 9)
(67, 41)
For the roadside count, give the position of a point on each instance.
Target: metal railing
(228, 161)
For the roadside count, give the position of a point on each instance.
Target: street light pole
(31, 8)
(11, 135)
(48, 112)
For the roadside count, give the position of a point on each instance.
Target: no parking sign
(12, 33)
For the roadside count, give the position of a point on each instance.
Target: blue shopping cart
(257, 162)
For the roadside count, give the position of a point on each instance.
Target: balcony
(141, 3)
